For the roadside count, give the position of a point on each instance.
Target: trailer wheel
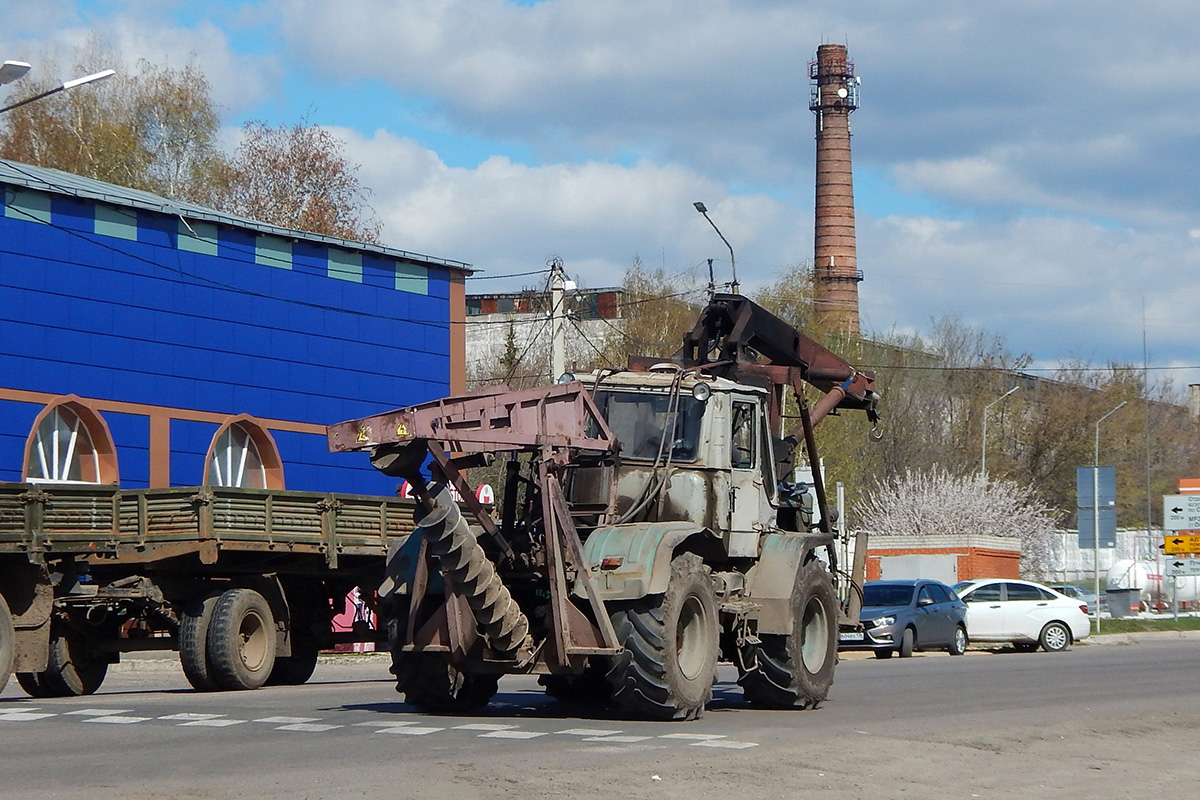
(796, 671)
(31, 682)
(671, 645)
(297, 668)
(193, 635)
(7, 635)
(241, 640)
(431, 683)
(76, 666)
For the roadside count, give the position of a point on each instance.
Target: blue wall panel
(17, 422)
(144, 322)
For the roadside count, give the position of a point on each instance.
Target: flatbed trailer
(244, 583)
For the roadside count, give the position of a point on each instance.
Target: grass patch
(1142, 625)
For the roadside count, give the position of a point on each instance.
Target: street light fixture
(12, 70)
(732, 265)
(71, 84)
(1096, 510)
(987, 408)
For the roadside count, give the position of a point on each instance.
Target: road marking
(698, 737)
(211, 723)
(307, 726)
(593, 732)
(21, 709)
(622, 739)
(512, 735)
(728, 743)
(414, 731)
(483, 726)
(189, 717)
(288, 720)
(382, 724)
(116, 719)
(97, 712)
(22, 716)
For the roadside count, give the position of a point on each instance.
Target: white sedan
(1023, 613)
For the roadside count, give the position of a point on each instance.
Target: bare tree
(296, 176)
(148, 127)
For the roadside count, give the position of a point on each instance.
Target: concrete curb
(168, 661)
(1103, 638)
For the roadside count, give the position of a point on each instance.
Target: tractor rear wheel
(796, 670)
(671, 645)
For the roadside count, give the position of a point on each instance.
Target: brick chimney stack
(834, 95)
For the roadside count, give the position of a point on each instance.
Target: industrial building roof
(55, 181)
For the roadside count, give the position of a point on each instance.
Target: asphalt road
(1100, 720)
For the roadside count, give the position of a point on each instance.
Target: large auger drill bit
(500, 619)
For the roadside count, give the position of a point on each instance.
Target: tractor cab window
(742, 435)
(647, 428)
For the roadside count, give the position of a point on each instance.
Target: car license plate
(850, 636)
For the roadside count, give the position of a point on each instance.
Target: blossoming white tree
(934, 502)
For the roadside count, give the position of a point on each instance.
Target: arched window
(244, 455)
(70, 443)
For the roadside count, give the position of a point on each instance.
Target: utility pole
(558, 349)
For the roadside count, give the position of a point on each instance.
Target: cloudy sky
(1029, 167)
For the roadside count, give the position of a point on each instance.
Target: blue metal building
(153, 343)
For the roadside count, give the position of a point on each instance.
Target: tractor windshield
(639, 421)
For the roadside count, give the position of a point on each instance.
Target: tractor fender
(773, 577)
(644, 551)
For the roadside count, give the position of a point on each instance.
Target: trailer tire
(7, 636)
(796, 670)
(241, 640)
(296, 669)
(31, 682)
(431, 683)
(75, 668)
(193, 647)
(671, 642)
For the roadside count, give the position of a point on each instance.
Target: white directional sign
(1179, 567)
(1181, 512)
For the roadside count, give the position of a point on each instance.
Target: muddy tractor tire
(7, 636)
(241, 640)
(76, 666)
(429, 682)
(796, 670)
(671, 645)
(193, 647)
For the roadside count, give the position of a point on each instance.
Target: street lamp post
(71, 84)
(986, 409)
(732, 264)
(1096, 511)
